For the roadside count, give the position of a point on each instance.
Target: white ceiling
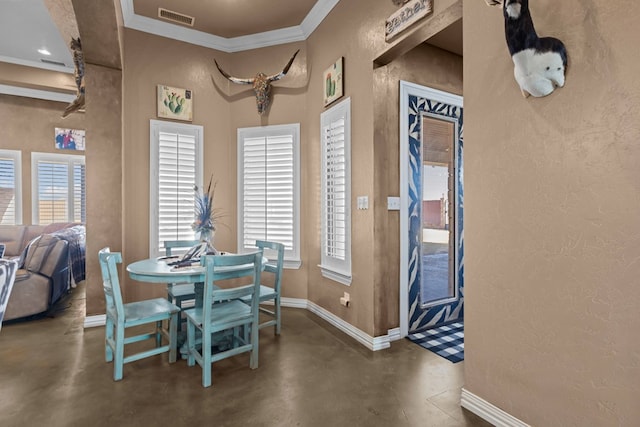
(26, 26)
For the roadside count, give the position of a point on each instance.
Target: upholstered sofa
(45, 268)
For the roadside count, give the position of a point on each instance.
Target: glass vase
(207, 236)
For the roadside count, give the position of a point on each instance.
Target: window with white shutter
(269, 188)
(335, 128)
(10, 187)
(176, 166)
(58, 188)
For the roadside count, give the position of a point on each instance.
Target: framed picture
(333, 82)
(175, 103)
(69, 139)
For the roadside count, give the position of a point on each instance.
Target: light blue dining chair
(223, 311)
(268, 293)
(121, 316)
(177, 293)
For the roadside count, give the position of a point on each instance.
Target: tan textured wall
(551, 209)
(428, 66)
(28, 125)
(37, 78)
(104, 174)
(355, 30)
(222, 107)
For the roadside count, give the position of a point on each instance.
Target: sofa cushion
(12, 236)
(22, 274)
(28, 297)
(38, 251)
(30, 233)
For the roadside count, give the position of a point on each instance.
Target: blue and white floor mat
(446, 341)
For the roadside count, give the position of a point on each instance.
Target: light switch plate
(393, 203)
(363, 202)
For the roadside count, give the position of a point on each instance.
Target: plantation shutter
(8, 190)
(268, 190)
(59, 192)
(53, 192)
(336, 192)
(177, 176)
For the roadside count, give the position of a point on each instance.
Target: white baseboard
(294, 302)
(96, 320)
(372, 343)
(394, 334)
(488, 412)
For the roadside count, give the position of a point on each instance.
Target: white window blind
(336, 193)
(268, 185)
(176, 152)
(58, 188)
(10, 188)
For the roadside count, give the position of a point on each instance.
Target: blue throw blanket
(76, 236)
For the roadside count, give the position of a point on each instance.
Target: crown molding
(36, 93)
(316, 16)
(36, 64)
(235, 44)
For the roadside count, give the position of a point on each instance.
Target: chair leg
(158, 333)
(277, 311)
(191, 343)
(255, 334)
(119, 353)
(108, 332)
(206, 359)
(173, 337)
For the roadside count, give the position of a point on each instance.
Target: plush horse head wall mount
(261, 83)
(539, 62)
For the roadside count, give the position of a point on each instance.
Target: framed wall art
(333, 82)
(175, 103)
(69, 139)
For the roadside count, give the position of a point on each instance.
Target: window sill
(336, 276)
(292, 264)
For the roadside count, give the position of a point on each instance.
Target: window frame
(155, 127)
(16, 156)
(292, 259)
(331, 267)
(71, 160)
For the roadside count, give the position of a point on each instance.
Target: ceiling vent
(48, 61)
(176, 17)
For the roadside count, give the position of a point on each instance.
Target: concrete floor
(53, 373)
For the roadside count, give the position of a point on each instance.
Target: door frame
(408, 89)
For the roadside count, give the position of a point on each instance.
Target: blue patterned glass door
(435, 223)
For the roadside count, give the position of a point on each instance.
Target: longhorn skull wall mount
(261, 83)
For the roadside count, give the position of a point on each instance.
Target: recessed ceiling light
(44, 51)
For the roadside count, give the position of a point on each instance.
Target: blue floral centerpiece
(206, 216)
